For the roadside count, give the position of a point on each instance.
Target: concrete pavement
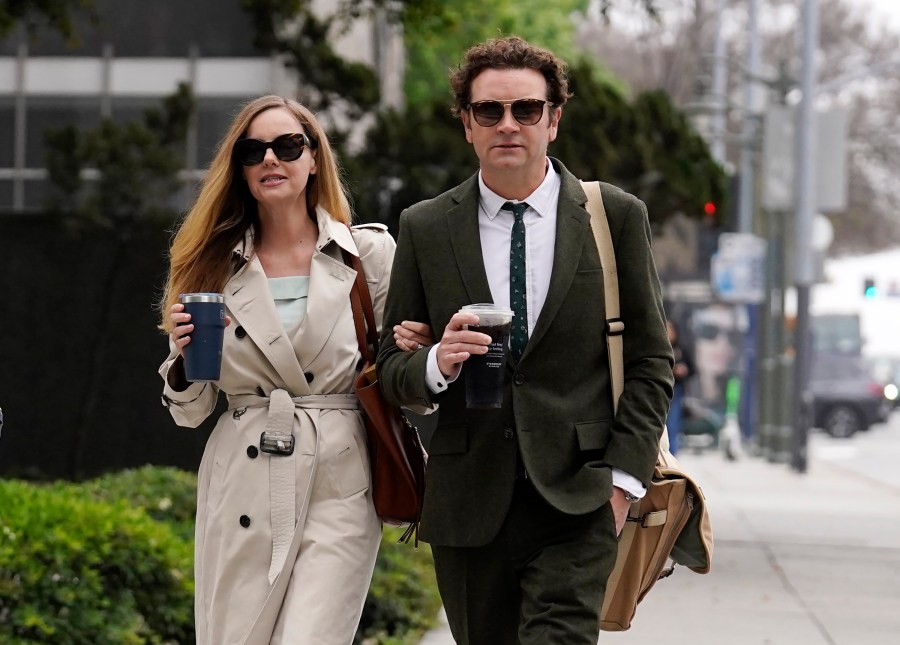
(810, 559)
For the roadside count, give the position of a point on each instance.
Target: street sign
(779, 156)
(738, 269)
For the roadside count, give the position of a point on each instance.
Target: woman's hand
(182, 327)
(410, 335)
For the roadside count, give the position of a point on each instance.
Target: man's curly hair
(510, 52)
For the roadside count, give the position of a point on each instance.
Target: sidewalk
(809, 559)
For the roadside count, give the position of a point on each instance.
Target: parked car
(846, 398)
(886, 370)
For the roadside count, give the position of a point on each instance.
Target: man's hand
(458, 343)
(620, 507)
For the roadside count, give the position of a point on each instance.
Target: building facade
(135, 53)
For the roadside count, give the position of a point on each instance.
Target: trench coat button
(252, 452)
(245, 521)
(309, 376)
(508, 433)
(519, 379)
(259, 391)
(240, 332)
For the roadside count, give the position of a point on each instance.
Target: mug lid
(201, 297)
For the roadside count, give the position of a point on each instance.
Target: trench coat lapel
(330, 283)
(572, 228)
(253, 308)
(462, 222)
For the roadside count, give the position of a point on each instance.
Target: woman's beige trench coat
(249, 590)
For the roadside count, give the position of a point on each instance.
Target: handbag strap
(363, 312)
(614, 324)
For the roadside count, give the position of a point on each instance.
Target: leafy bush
(165, 494)
(403, 599)
(111, 561)
(76, 570)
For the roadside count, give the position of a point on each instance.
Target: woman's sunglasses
(287, 147)
(525, 111)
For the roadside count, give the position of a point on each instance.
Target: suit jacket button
(508, 433)
(519, 379)
(309, 376)
(245, 521)
(240, 332)
(252, 452)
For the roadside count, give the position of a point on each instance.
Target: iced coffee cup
(485, 373)
(203, 355)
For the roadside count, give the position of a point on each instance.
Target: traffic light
(710, 209)
(869, 288)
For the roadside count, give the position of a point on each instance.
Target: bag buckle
(275, 445)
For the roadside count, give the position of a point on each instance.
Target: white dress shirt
(495, 229)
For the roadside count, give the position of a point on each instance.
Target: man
(523, 504)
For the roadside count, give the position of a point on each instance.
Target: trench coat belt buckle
(282, 470)
(275, 439)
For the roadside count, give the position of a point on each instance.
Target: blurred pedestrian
(523, 504)
(682, 370)
(268, 230)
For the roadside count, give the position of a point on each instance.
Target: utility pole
(803, 257)
(719, 86)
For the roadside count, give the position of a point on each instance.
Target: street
(810, 559)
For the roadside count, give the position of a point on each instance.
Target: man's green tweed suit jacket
(557, 402)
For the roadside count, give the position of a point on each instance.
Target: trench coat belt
(282, 468)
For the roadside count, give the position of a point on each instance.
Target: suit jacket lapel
(572, 224)
(462, 223)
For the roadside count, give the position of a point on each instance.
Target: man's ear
(555, 116)
(467, 125)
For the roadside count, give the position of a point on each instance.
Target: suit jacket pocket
(593, 435)
(452, 440)
(588, 276)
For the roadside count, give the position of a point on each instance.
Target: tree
(672, 53)
(435, 41)
(32, 13)
(300, 31)
(137, 164)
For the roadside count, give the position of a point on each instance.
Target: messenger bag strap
(614, 324)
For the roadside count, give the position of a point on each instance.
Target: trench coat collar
(329, 290)
(330, 282)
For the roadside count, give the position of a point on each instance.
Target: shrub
(165, 494)
(111, 561)
(403, 599)
(75, 570)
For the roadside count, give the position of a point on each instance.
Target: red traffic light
(709, 208)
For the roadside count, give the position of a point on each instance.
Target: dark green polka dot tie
(517, 291)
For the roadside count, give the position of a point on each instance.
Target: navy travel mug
(203, 355)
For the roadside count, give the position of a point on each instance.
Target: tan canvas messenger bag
(671, 521)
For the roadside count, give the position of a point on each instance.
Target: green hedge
(75, 570)
(111, 561)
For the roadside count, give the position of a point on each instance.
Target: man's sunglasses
(525, 111)
(287, 147)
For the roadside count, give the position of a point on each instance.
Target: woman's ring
(419, 345)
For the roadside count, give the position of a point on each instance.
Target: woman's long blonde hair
(200, 258)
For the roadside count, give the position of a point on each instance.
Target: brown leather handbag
(396, 455)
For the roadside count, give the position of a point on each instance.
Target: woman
(285, 540)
